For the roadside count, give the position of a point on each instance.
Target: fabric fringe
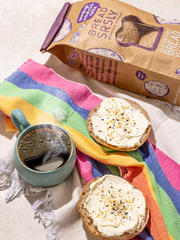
(42, 206)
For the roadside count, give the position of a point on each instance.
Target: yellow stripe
(33, 114)
(170, 237)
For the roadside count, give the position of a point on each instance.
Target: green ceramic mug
(28, 166)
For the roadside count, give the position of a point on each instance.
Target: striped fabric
(45, 97)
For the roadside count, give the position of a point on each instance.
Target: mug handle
(19, 120)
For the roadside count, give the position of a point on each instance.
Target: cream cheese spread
(118, 123)
(115, 206)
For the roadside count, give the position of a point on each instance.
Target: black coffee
(44, 149)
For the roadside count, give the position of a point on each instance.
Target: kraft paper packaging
(118, 44)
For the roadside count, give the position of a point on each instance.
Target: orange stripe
(156, 223)
(9, 126)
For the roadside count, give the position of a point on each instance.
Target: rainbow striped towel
(45, 97)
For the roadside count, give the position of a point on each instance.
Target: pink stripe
(169, 167)
(84, 167)
(80, 94)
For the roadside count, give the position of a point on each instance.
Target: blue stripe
(24, 81)
(98, 169)
(149, 156)
(146, 235)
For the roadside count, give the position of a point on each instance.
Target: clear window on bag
(134, 32)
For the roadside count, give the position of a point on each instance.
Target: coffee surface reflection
(44, 149)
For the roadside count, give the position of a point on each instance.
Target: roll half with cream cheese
(113, 209)
(120, 124)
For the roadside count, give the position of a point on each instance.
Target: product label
(142, 76)
(102, 69)
(88, 11)
(104, 24)
(171, 43)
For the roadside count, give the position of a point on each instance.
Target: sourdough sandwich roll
(120, 124)
(113, 209)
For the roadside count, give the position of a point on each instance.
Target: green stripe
(136, 156)
(113, 169)
(75, 121)
(47, 103)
